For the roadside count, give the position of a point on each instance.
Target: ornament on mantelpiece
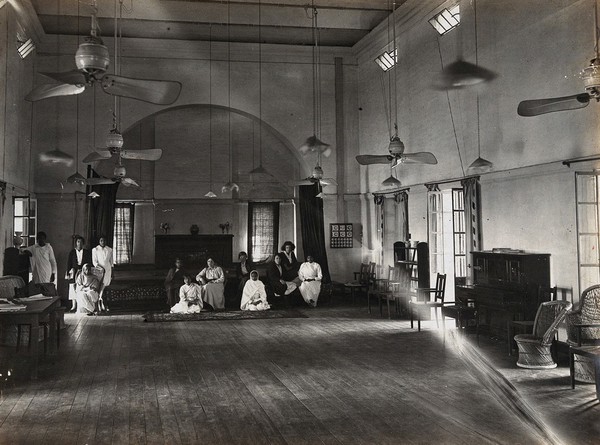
(194, 229)
(165, 227)
(225, 227)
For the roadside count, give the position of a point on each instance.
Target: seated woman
(311, 276)
(275, 274)
(289, 263)
(174, 281)
(243, 269)
(254, 296)
(190, 297)
(87, 288)
(213, 288)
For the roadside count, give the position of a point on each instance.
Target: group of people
(89, 271)
(285, 274)
(88, 274)
(186, 296)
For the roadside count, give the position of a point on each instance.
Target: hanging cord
(210, 107)
(229, 89)
(451, 114)
(395, 49)
(259, 85)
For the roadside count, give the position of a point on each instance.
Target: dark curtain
(313, 227)
(102, 213)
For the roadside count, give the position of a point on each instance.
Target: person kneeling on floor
(190, 297)
(254, 295)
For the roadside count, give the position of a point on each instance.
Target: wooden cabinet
(193, 250)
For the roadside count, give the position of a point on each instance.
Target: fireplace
(193, 250)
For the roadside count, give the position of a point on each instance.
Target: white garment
(103, 257)
(190, 299)
(254, 296)
(43, 263)
(310, 289)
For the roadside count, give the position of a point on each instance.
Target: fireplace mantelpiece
(193, 250)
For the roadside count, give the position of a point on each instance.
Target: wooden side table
(592, 352)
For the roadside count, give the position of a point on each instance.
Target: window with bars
(588, 230)
(123, 233)
(25, 219)
(263, 230)
(459, 232)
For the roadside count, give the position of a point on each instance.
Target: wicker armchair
(534, 349)
(583, 328)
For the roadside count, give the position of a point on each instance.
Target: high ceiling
(340, 22)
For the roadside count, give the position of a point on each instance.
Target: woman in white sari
(86, 290)
(254, 296)
(310, 274)
(190, 298)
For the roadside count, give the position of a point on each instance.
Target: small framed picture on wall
(340, 235)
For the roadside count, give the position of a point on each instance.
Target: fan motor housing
(92, 57)
(591, 78)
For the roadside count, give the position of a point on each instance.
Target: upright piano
(507, 281)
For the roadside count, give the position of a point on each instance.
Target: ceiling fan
(92, 61)
(120, 175)
(591, 82)
(315, 178)
(397, 155)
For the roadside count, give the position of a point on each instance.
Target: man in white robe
(43, 262)
(310, 275)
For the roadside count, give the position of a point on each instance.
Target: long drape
(313, 227)
(102, 213)
(401, 200)
(123, 236)
(379, 201)
(472, 196)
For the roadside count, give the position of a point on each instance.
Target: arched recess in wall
(184, 133)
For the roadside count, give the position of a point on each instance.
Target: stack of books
(10, 306)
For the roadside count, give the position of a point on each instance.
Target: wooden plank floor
(338, 376)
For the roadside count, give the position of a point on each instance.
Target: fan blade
(152, 154)
(374, 159)
(536, 107)
(98, 155)
(99, 181)
(306, 181)
(52, 90)
(74, 77)
(160, 92)
(423, 157)
(328, 181)
(128, 182)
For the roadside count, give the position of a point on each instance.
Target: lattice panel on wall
(340, 235)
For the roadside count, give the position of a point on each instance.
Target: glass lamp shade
(260, 170)
(314, 144)
(396, 146)
(76, 178)
(94, 195)
(92, 56)
(210, 194)
(461, 74)
(230, 187)
(320, 195)
(480, 165)
(119, 171)
(57, 157)
(114, 139)
(391, 182)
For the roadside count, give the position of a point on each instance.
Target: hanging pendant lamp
(210, 193)
(391, 181)
(260, 170)
(57, 156)
(479, 165)
(230, 186)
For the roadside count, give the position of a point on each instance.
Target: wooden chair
(386, 289)
(362, 280)
(534, 349)
(438, 292)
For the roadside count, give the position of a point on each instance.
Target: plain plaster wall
(531, 209)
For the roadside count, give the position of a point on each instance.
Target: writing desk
(35, 311)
